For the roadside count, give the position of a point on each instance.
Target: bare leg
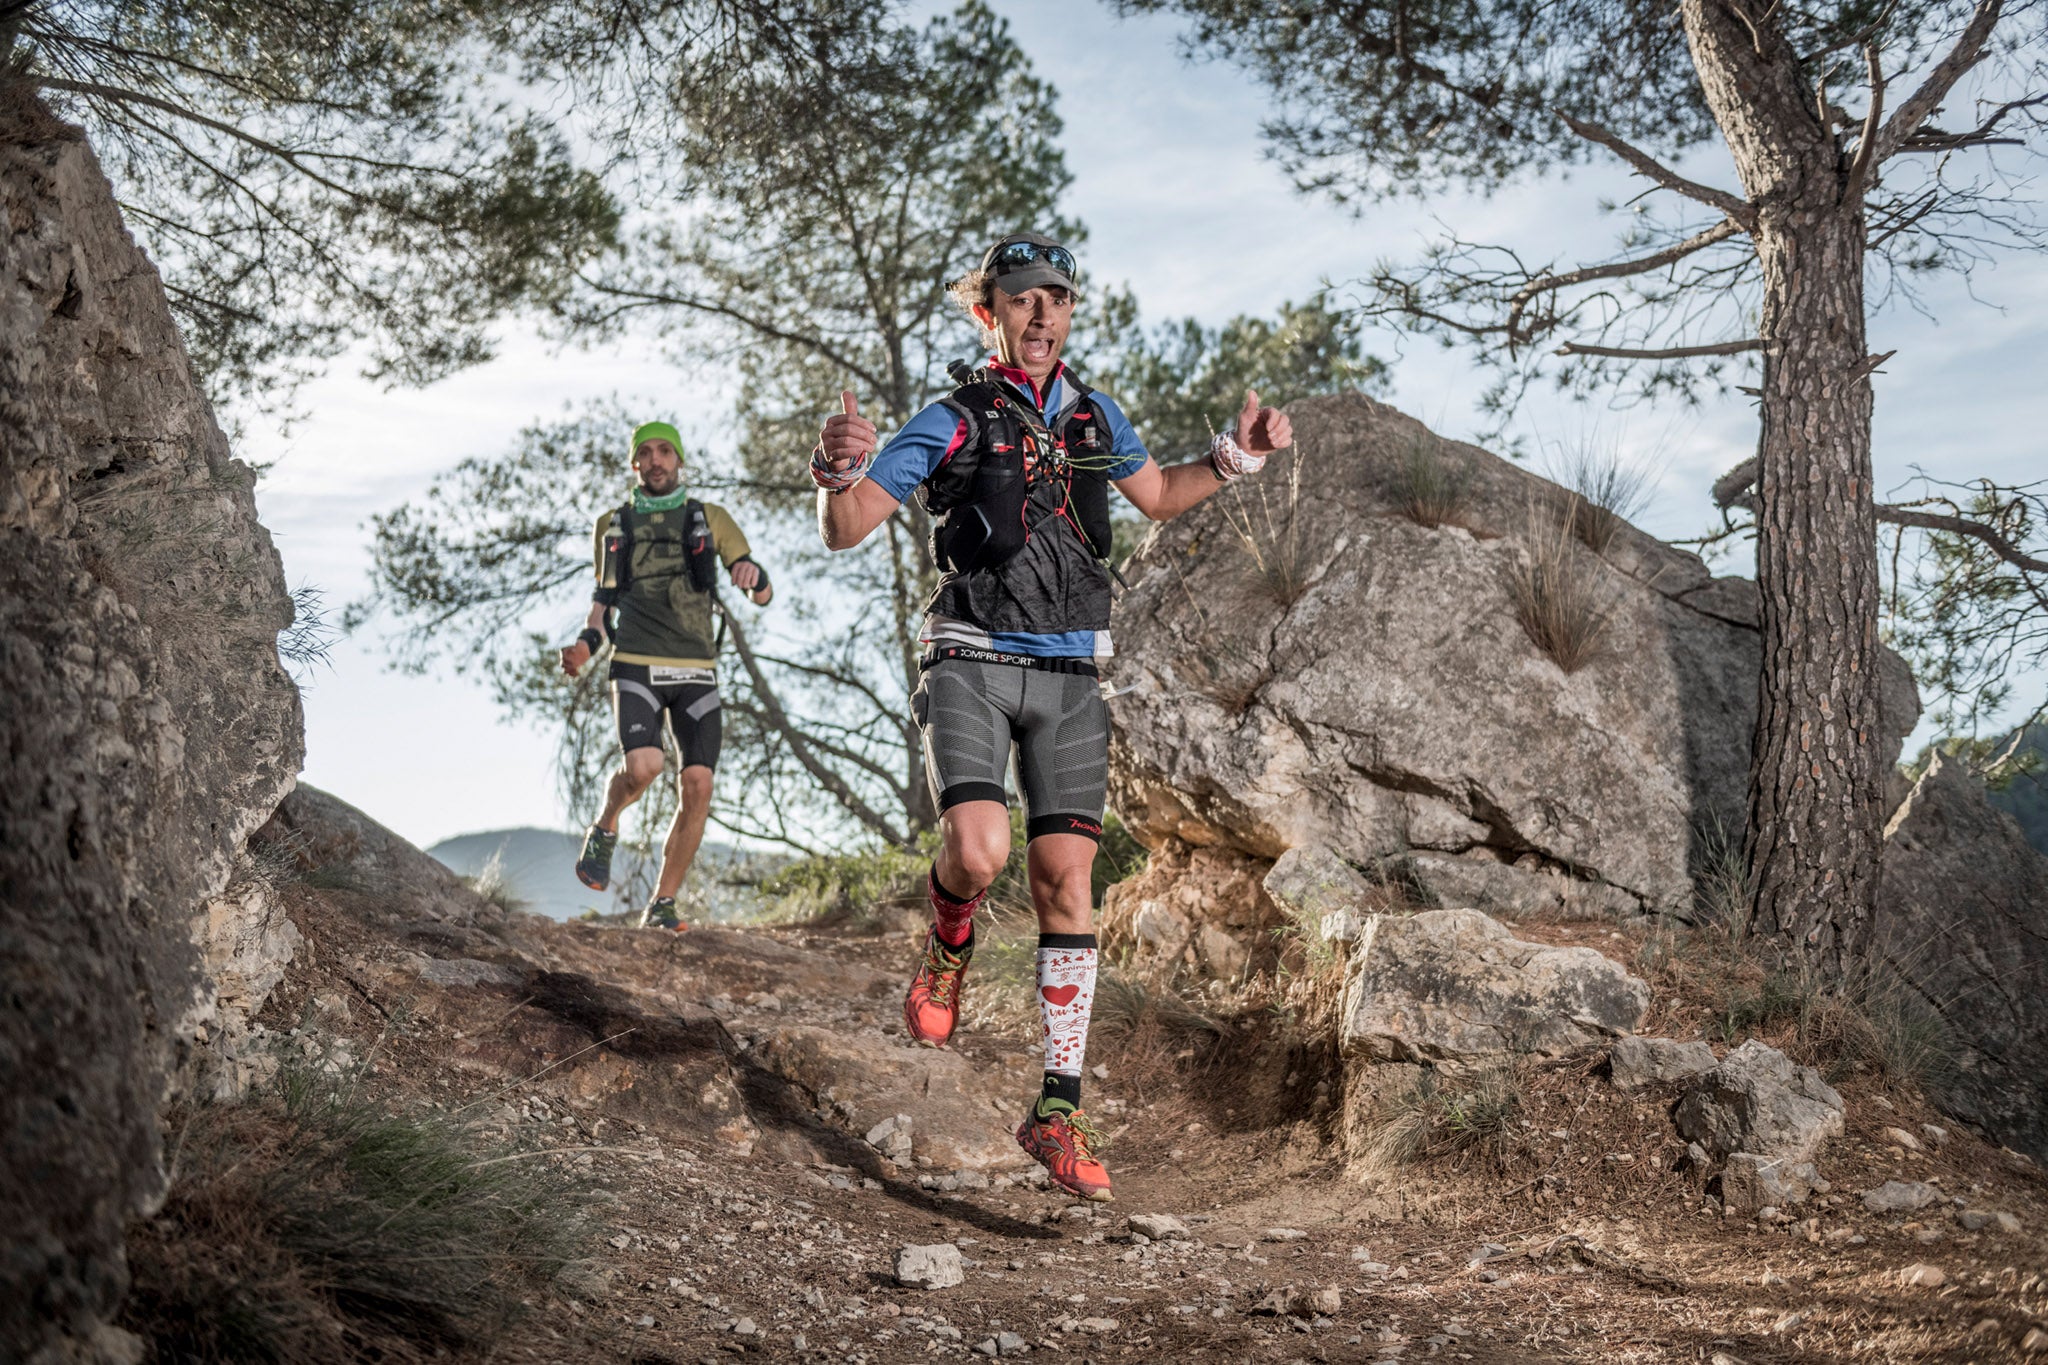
(977, 844)
(686, 831)
(1059, 867)
(637, 774)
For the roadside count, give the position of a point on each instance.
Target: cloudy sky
(1182, 204)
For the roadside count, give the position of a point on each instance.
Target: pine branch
(1664, 353)
(1737, 208)
(1921, 104)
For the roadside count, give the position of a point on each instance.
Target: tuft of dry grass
(1441, 1116)
(1558, 597)
(1430, 489)
(1602, 493)
(494, 884)
(1268, 529)
(1735, 988)
(306, 1223)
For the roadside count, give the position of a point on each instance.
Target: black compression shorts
(644, 697)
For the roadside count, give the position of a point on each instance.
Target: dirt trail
(722, 1086)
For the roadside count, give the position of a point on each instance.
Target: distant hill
(2026, 799)
(539, 865)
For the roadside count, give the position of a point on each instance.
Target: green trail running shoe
(594, 863)
(661, 914)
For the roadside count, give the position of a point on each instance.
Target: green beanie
(655, 431)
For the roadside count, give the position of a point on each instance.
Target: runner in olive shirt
(657, 559)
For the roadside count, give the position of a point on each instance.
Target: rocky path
(765, 1145)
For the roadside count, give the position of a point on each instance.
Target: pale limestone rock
(1900, 1196)
(1312, 882)
(1756, 1100)
(1159, 1227)
(930, 1267)
(1455, 987)
(1752, 1183)
(1634, 1063)
(1392, 706)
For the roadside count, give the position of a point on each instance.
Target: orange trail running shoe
(933, 1006)
(1061, 1137)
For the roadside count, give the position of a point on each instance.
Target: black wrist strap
(591, 637)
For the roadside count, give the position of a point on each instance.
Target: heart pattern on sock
(1066, 994)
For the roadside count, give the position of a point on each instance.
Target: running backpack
(700, 554)
(978, 498)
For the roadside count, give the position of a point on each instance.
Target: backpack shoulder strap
(975, 404)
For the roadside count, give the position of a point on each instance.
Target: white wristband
(1231, 460)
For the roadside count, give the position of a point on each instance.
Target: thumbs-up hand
(1261, 431)
(846, 447)
(1258, 433)
(847, 435)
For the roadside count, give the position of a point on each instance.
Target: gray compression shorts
(974, 714)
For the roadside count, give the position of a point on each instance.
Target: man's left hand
(752, 580)
(1261, 431)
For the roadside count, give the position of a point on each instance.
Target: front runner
(1014, 467)
(655, 566)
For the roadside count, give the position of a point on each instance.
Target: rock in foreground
(148, 724)
(930, 1267)
(1455, 987)
(1759, 1101)
(1635, 1063)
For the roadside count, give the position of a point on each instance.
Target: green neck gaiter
(644, 501)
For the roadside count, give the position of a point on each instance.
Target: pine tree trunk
(1815, 812)
(1815, 800)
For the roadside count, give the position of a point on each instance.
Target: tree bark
(1815, 801)
(1816, 819)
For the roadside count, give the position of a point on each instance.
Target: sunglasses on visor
(1012, 255)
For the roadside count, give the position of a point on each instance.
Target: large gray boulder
(1760, 1101)
(148, 727)
(1962, 935)
(1453, 988)
(1361, 682)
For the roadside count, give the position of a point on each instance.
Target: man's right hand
(847, 436)
(574, 657)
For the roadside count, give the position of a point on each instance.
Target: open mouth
(1037, 348)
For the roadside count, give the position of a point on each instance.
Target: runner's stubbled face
(1031, 328)
(659, 466)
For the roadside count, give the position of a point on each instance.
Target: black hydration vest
(1011, 482)
(681, 545)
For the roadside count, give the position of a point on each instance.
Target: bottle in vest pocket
(697, 541)
(615, 548)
